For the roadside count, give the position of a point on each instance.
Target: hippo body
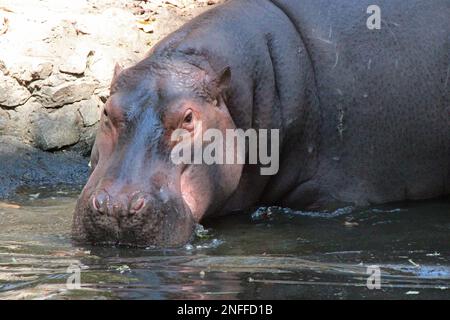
(363, 114)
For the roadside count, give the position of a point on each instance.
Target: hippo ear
(220, 82)
(224, 79)
(117, 70)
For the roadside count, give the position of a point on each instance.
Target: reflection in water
(273, 253)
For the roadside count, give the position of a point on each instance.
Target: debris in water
(412, 292)
(202, 274)
(413, 263)
(263, 213)
(351, 224)
(211, 245)
(435, 254)
(268, 213)
(388, 211)
(201, 232)
(5, 205)
(123, 269)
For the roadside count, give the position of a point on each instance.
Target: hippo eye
(188, 117)
(188, 120)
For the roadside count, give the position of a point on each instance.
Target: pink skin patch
(190, 196)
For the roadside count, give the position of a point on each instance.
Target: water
(273, 254)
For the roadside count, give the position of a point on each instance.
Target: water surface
(271, 254)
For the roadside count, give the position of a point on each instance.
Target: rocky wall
(57, 59)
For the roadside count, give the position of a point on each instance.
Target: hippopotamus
(362, 111)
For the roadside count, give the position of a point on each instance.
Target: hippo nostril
(99, 202)
(137, 204)
(96, 204)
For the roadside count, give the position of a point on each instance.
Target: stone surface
(113, 26)
(76, 61)
(3, 68)
(103, 62)
(19, 124)
(29, 69)
(41, 70)
(66, 93)
(4, 119)
(52, 131)
(12, 93)
(86, 141)
(90, 111)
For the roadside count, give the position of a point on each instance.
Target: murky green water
(273, 255)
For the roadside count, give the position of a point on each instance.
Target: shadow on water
(273, 253)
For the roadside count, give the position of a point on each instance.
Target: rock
(102, 63)
(4, 23)
(27, 72)
(42, 70)
(143, 8)
(146, 25)
(74, 65)
(87, 138)
(66, 93)
(12, 94)
(90, 111)
(55, 130)
(114, 27)
(4, 119)
(25, 68)
(76, 62)
(22, 74)
(175, 3)
(3, 68)
(209, 2)
(102, 66)
(20, 119)
(167, 22)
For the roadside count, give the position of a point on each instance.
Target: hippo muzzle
(157, 218)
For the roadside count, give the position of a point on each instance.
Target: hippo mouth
(162, 223)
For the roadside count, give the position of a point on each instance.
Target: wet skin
(362, 114)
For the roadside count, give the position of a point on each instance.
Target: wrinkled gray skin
(364, 115)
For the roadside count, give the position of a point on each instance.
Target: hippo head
(136, 195)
